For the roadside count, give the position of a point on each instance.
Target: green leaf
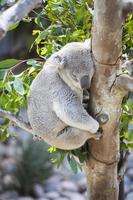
(4, 99)
(13, 26)
(8, 87)
(2, 73)
(33, 63)
(8, 63)
(18, 86)
(4, 135)
(129, 135)
(2, 84)
(130, 145)
(52, 149)
(73, 164)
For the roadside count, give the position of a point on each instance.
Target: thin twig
(15, 119)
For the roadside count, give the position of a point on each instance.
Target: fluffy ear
(59, 61)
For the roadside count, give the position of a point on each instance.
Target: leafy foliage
(33, 166)
(128, 37)
(67, 21)
(126, 125)
(74, 157)
(14, 88)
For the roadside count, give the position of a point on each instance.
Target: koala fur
(55, 109)
(128, 65)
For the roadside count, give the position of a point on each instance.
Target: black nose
(85, 83)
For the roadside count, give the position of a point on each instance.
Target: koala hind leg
(73, 138)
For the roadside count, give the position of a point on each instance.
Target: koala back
(45, 89)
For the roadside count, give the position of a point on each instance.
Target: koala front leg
(72, 138)
(72, 113)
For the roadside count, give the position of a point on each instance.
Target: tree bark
(106, 97)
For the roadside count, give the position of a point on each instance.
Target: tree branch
(16, 119)
(22, 66)
(127, 7)
(15, 14)
(125, 82)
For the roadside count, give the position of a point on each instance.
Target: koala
(128, 65)
(55, 109)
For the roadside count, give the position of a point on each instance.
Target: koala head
(75, 64)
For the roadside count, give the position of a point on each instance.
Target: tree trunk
(101, 166)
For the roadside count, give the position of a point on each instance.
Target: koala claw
(99, 134)
(36, 138)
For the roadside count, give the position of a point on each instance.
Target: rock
(8, 182)
(130, 161)
(25, 198)
(50, 187)
(55, 178)
(42, 199)
(52, 195)
(127, 180)
(130, 173)
(73, 195)
(8, 166)
(10, 151)
(1, 188)
(61, 198)
(69, 185)
(53, 183)
(38, 191)
(9, 195)
(129, 196)
(128, 188)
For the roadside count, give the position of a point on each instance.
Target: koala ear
(59, 61)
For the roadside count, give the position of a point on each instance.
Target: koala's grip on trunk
(55, 109)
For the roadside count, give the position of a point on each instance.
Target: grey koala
(128, 65)
(55, 109)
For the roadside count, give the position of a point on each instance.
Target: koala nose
(85, 83)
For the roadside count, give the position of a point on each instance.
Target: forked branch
(125, 82)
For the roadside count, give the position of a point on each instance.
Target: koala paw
(99, 134)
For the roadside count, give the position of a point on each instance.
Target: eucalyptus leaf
(2, 73)
(8, 63)
(18, 86)
(73, 164)
(4, 135)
